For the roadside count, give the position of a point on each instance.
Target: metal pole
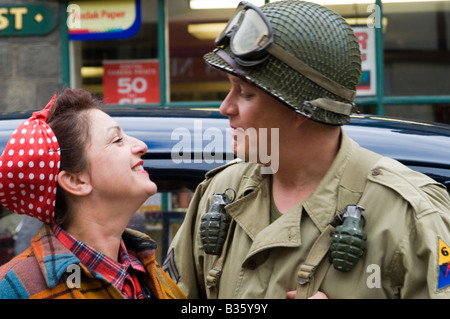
(162, 37)
(379, 49)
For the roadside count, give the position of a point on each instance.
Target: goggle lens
(252, 35)
(248, 33)
(226, 33)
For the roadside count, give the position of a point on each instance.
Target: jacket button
(376, 172)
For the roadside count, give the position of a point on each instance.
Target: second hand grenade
(348, 241)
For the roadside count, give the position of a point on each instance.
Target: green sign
(26, 19)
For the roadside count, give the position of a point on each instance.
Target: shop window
(191, 35)
(417, 49)
(366, 109)
(438, 112)
(122, 68)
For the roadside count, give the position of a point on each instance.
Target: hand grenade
(215, 223)
(348, 241)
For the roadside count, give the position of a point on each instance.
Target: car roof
(405, 140)
(203, 131)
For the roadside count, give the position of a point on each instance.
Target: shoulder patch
(170, 267)
(444, 265)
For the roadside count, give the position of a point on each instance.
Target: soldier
(333, 219)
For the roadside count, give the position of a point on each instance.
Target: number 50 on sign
(131, 82)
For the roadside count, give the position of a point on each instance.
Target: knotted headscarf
(29, 167)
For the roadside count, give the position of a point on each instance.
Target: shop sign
(26, 19)
(131, 82)
(101, 20)
(366, 39)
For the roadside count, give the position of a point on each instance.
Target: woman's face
(115, 165)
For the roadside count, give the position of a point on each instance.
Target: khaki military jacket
(407, 225)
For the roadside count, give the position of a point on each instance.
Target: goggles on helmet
(249, 35)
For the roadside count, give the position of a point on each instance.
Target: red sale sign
(131, 82)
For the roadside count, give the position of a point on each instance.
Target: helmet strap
(310, 73)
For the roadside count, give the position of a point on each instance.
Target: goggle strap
(224, 56)
(310, 73)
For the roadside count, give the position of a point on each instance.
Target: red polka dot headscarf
(29, 167)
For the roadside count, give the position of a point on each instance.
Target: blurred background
(91, 44)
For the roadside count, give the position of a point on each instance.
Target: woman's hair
(70, 122)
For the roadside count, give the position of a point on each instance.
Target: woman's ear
(75, 184)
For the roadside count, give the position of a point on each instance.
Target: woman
(72, 167)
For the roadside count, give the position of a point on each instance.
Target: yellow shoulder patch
(444, 265)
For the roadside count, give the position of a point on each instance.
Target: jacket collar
(53, 258)
(321, 205)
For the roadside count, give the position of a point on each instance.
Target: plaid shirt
(47, 268)
(124, 275)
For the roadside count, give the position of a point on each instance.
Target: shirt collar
(321, 205)
(111, 270)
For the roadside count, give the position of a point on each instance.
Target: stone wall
(30, 66)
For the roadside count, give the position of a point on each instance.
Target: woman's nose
(138, 146)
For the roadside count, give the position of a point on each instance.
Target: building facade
(149, 53)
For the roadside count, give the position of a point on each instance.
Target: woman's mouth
(139, 167)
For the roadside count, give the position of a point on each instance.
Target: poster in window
(366, 39)
(131, 82)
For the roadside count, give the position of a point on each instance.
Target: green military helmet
(306, 55)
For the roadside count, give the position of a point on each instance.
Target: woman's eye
(118, 140)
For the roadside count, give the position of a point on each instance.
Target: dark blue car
(183, 144)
